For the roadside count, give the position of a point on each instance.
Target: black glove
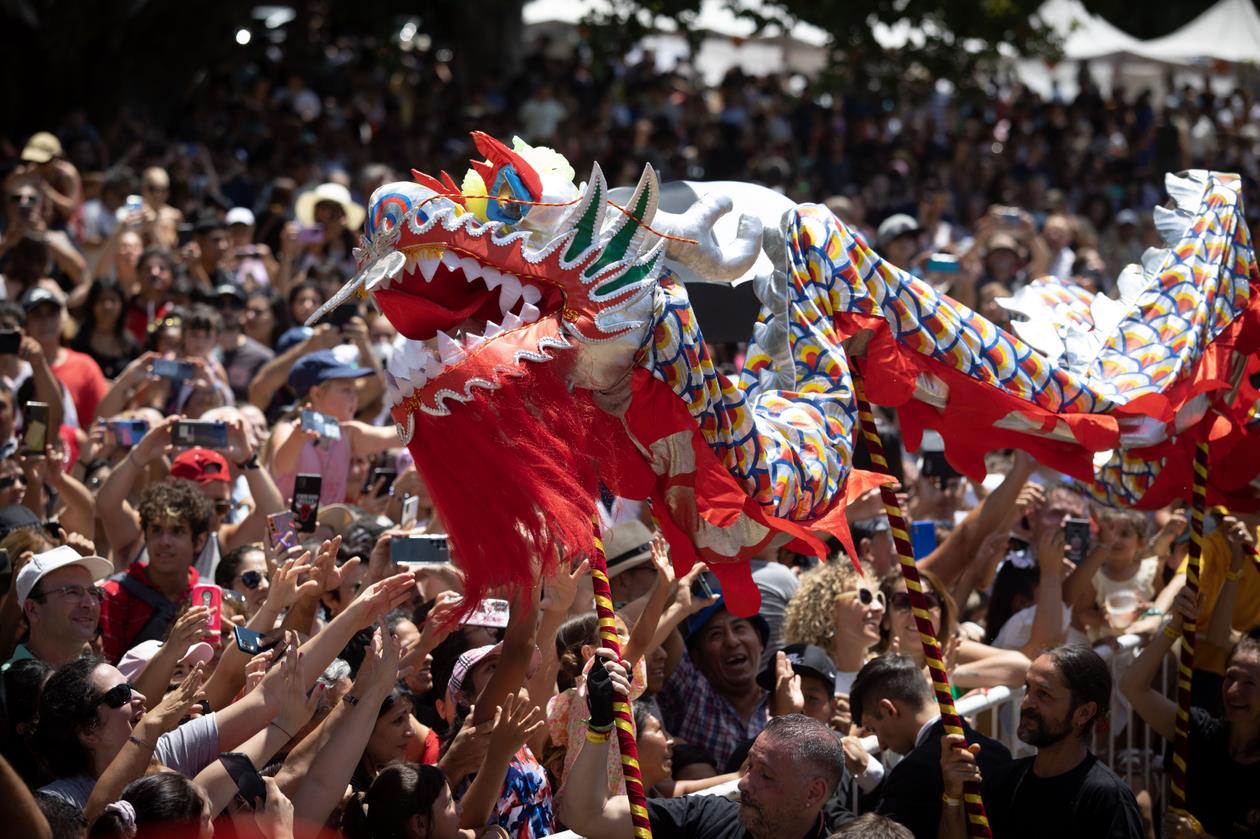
(599, 695)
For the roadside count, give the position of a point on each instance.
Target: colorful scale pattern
(977, 819)
(790, 446)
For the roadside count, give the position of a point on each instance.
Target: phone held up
(196, 433)
(210, 596)
(306, 502)
(35, 427)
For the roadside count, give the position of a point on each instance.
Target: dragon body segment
(548, 345)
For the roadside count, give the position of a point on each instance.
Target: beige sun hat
(337, 194)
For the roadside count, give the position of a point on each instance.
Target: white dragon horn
(706, 257)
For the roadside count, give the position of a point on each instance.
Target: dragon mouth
(467, 323)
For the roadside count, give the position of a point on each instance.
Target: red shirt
(123, 615)
(84, 381)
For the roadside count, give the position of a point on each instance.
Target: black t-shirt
(705, 817)
(1222, 794)
(1088, 802)
(242, 363)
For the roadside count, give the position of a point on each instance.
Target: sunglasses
(865, 596)
(117, 696)
(252, 579)
(24, 199)
(223, 507)
(901, 600)
(5, 483)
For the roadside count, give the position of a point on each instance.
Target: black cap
(208, 220)
(38, 296)
(228, 290)
(16, 517)
(807, 660)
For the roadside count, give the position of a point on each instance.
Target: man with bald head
(793, 768)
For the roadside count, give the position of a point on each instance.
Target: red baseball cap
(201, 465)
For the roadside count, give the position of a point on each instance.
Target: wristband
(350, 699)
(281, 730)
(133, 738)
(598, 735)
(1172, 633)
(950, 802)
(1234, 576)
(252, 463)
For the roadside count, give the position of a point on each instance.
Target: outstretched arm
(1159, 712)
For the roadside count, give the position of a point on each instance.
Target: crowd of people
(179, 658)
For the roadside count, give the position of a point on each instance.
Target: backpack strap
(164, 611)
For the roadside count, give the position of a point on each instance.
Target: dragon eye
(508, 185)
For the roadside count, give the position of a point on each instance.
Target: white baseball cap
(240, 215)
(60, 557)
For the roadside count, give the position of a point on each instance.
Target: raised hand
(788, 698)
(958, 763)
(188, 629)
(274, 816)
(515, 722)
(256, 669)
(287, 585)
(683, 596)
(378, 599)
(1050, 549)
(296, 709)
(560, 588)
(178, 703)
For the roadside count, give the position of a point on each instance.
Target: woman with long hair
(103, 334)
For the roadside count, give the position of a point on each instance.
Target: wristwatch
(252, 463)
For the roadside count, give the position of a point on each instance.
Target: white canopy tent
(1229, 31)
(727, 41)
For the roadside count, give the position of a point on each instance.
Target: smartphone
(184, 233)
(10, 341)
(166, 368)
(922, 538)
(389, 474)
(250, 642)
(245, 775)
(1010, 217)
(410, 512)
(341, 315)
(704, 588)
(312, 235)
(942, 263)
(420, 549)
(210, 596)
(127, 432)
(280, 530)
(35, 427)
(305, 502)
(207, 435)
(327, 427)
(1076, 537)
(490, 612)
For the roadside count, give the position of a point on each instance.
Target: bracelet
(950, 802)
(1233, 576)
(1172, 633)
(252, 463)
(598, 737)
(350, 699)
(280, 729)
(133, 738)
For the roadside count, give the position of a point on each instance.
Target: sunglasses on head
(901, 600)
(865, 596)
(117, 696)
(252, 579)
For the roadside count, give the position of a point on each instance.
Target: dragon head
(482, 282)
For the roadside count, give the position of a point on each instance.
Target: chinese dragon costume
(547, 346)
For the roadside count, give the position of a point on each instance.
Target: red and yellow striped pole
(977, 819)
(1185, 664)
(623, 718)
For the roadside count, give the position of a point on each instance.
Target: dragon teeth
(510, 293)
(491, 277)
(431, 366)
(510, 321)
(428, 263)
(529, 313)
(472, 339)
(530, 294)
(471, 269)
(449, 349)
(492, 329)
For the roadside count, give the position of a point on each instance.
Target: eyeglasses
(117, 696)
(865, 596)
(222, 508)
(9, 481)
(24, 199)
(252, 579)
(71, 592)
(901, 600)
